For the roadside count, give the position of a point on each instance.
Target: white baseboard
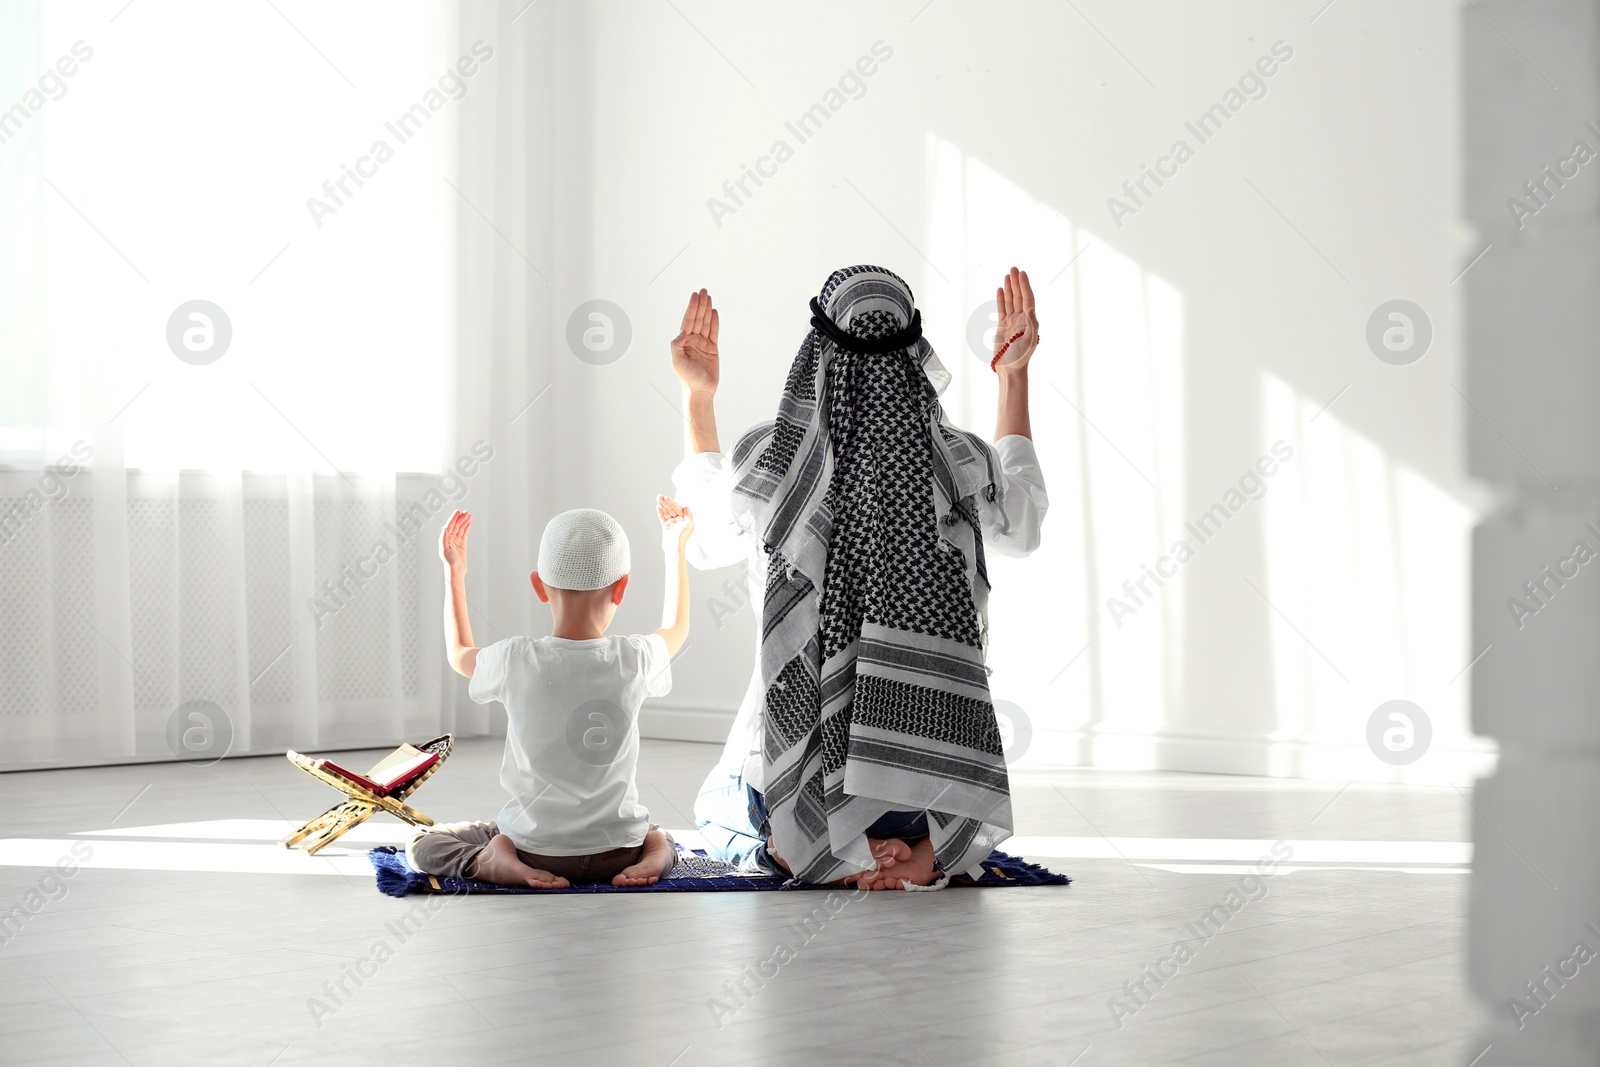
(670, 721)
(1259, 755)
(1195, 752)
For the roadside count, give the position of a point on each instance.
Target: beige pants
(449, 850)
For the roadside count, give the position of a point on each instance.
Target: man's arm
(694, 358)
(676, 525)
(1014, 343)
(458, 646)
(1012, 416)
(702, 413)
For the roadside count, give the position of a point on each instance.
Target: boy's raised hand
(676, 526)
(694, 350)
(453, 541)
(676, 523)
(458, 646)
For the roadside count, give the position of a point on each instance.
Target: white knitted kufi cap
(583, 549)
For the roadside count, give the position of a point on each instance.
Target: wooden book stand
(363, 803)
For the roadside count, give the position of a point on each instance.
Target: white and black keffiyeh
(876, 695)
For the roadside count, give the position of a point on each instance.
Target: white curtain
(235, 556)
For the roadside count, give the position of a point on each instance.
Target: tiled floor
(207, 943)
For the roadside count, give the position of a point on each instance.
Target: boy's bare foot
(916, 869)
(658, 858)
(498, 863)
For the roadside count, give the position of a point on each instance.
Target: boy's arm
(676, 525)
(694, 358)
(458, 647)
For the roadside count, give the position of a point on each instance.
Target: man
(866, 748)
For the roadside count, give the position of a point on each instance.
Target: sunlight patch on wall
(1107, 412)
(1369, 559)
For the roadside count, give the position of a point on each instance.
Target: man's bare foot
(849, 879)
(772, 854)
(889, 851)
(886, 852)
(498, 863)
(916, 869)
(658, 858)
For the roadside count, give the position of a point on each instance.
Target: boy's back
(572, 737)
(572, 709)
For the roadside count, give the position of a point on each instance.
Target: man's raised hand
(694, 350)
(1018, 332)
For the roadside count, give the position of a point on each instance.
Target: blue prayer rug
(695, 873)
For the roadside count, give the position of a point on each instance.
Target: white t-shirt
(572, 737)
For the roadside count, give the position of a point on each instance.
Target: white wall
(1220, 317)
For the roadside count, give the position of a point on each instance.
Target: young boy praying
(572, 705)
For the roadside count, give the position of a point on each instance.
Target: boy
(572, 703)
